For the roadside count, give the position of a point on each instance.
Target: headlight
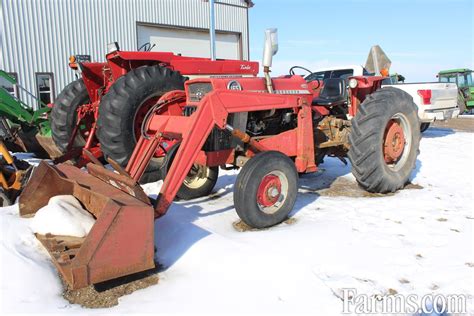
(112, 47)
(353, 83)
(197, 91)
(234, 85)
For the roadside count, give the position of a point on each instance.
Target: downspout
(212, 29)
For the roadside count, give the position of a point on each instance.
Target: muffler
(120, 243)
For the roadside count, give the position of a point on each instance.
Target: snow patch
(64, 215)
(152, 189)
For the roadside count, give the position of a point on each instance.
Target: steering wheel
(292, 70)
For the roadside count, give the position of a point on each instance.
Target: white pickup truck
(436, 101)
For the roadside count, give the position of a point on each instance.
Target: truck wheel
(384, 140)
(64, 115)
(265, 189)
(424, 127)
(123, 108)
(198, 183)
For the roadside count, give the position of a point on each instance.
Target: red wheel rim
(269, 190)
(141, 114)
(394, 142)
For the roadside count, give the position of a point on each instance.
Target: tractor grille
(218, 139)
(188, 110)
(197, 91)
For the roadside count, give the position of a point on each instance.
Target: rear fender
(95, 78)
(365, 86)
(120, 63)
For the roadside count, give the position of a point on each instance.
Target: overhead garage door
(193, 43)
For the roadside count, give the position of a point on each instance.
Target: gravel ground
(107, 294)
(465, 124)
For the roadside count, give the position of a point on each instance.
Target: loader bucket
(47, 145)
(120, 243)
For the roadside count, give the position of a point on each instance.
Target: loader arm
(193, 131)
(14, 109)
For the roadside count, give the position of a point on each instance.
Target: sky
(421, 37)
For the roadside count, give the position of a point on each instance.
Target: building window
(45, 87)
(7, 85)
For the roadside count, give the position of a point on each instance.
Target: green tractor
(22, 128)
(463, 79)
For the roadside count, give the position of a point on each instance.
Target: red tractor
(102, 112)
(272, 129)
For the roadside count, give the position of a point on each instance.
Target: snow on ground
(417, 241)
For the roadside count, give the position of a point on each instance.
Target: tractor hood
(186, 65)
(197, 89)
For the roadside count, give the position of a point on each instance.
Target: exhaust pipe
(270, 49)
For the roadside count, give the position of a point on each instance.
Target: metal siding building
(38, 36)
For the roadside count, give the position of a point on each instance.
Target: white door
(193, 43)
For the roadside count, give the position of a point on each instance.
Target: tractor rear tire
(119, 107)
(199, 182)
(265, 190)
(380, 163)
(64, 115)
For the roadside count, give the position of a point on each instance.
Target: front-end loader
(271, 128)
(102, 111)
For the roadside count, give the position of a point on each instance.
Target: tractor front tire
(119, 109)
(384, 141)
(198, 183)
(64, 114)
(265, 190)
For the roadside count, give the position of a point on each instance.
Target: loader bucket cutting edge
(120, 243)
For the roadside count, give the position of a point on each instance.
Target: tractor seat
(334, 92)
